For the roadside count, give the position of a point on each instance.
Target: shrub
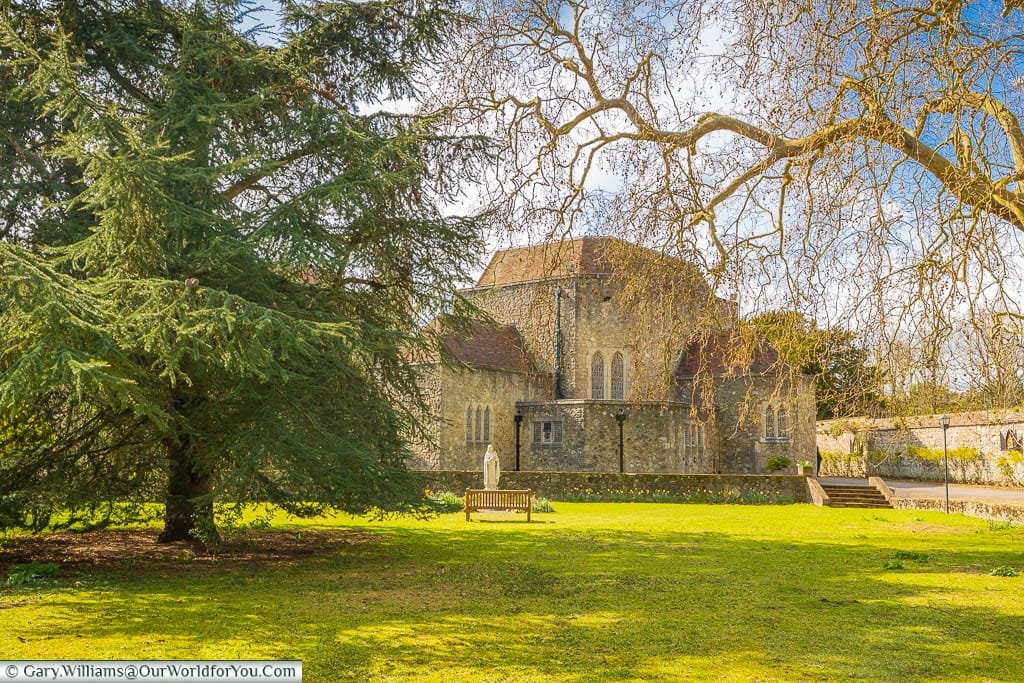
(837, 428)
(893, 564)
(1004, 466)
(446, 501)
(1003, 571)
(961, 453)
(1006, 463)
(877, 456)
(22, 574)
(542, 505)
(777, 463)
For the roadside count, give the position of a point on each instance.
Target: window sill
(776, 439)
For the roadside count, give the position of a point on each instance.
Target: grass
(598, 591)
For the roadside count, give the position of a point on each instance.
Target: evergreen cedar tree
(212, 263)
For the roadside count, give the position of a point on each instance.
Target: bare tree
(860, 162)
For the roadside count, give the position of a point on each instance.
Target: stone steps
(851, 496)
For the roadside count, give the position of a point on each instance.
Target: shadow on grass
(485, 602)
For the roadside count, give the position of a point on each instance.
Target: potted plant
(803, 468)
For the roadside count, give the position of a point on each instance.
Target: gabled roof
(567, 258)
(490, 346)
(727, 352)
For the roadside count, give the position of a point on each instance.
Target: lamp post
(620, 416)
(519, 422)
(944, 421)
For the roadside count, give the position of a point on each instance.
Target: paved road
(927, 489)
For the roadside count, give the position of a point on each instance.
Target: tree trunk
(184, 519)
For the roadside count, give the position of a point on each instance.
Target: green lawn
(595, 591)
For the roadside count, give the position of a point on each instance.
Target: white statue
(492, 469)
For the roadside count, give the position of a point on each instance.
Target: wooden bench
(499, 499)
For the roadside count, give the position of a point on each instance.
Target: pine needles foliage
(216, 251)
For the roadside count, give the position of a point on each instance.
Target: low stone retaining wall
(971, 508)
(557, 485)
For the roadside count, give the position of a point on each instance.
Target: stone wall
(740, 404)
(654, 437)
(452, 391)
(593, 320)
(972, 508)
(423, 452)
(650, 338)
(554, 485)
(862, 447)
(603, 326)
(530, 307)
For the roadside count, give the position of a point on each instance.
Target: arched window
(487, 425)
(618, 381)
(1009, 441)
(769, 422)
(782, 423)
(479, 423)
(597, 376)
(469, 424)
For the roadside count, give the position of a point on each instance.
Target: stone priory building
(571, 376)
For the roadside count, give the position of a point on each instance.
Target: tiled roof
(491, 346)
(566, 258)
(728, 352)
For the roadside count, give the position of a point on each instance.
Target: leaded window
(776, 423)
(487, 425)
(597, 376)
(469, 424)
(618, 380)
(478, 425)
(547, 432)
